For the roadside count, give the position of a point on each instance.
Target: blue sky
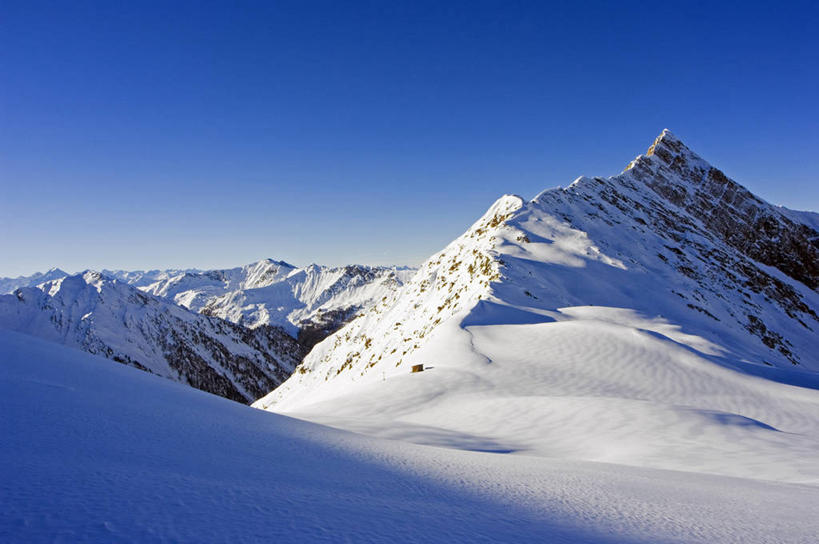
(210, 134)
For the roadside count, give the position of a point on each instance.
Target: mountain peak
(667, 147)
(666, 136)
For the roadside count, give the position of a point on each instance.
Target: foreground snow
(99, 452)
(599, 384)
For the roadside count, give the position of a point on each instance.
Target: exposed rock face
(323, 324)
(728, 210)
(724, 213)
(106, 317)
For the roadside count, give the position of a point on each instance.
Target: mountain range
(104, 316)
(624, 359)
(236, 333)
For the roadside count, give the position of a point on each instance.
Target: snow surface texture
(105, 316)
(664, 317)
(85, 459)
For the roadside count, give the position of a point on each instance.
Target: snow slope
(664, 317)
(85, 459)
(810, 219)
(101, 315)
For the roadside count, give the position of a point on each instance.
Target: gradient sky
(212, 134)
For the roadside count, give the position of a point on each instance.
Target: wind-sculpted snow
(101, 315)
(85, 459)
(663, 317)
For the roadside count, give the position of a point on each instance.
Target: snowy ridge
(629, 319)
(9, 285)
(143, 278)
(272, 292)
(448, 284)
(811, 219)
(310, 302)
(102, 315)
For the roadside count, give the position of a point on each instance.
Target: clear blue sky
(212, 134)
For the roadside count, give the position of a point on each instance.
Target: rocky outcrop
(729, 211)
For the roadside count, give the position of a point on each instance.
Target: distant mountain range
(8, 285)
(237, 333)
(101, 315)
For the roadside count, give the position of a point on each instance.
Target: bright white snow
(94, 452)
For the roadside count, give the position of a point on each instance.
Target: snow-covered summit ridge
(628, 281)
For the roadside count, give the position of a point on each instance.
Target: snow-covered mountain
(143, 278)
(310, 302)
(628, 319)
(9, 285)
(314, 300)
(101, 315)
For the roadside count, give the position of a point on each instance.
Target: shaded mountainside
(104, 316)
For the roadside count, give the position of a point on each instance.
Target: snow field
(86, 459)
